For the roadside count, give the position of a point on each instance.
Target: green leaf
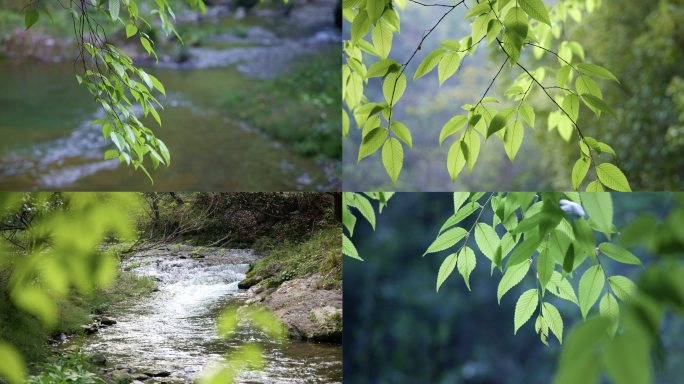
(348, 248)
(584, 236)
(486, 239)
(345, 123)
(596, 103)
(372, 142)
(459, 199)
(382, 38)
(455, 160)
(513, 138)
(577, 48)
(527, 113)
(157, 84)
(536, 10)
(389, 88)
(525, 307)
(446, 268)
(594, 186)
(448, 65)
(360, 27)
(579, 171)
(627, 359)
(35, 301)
(528, 223)
(31, 18)
(375, 9)
(46, 12)
(515, 33)
(590, 287)
(623, 288)
(500, 120)
(493, 30)
(111, 154)
(571, 106)
(561, 287)
(524, 251)
(514, 90)
(562, 75)
(391, 16)
(393, 158)
(613, 177)
(511, 278)
(569, 260)
(114, 9)
(348, 219)
(470, 145)
(478, 10)
(430, 61)
(402, 133)
(364, 206)
(599, 206)
(13, 367)
(452, 126)
(554, 320)
(608, 307)
(462, 213)
(381, 68)
(466, 264)
(618, 253)
(446, 240)
(131, 30)
(549, 217)
(596, 71)
(545, 267)
(452, 45)
(480, 26)
(489, 100)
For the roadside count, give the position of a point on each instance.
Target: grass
(299, 107)
(321, 254)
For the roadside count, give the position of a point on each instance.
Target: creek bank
(308, 313)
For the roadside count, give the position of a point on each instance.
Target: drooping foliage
(509, 26)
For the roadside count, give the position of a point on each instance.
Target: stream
(46, 141)
(175, 329)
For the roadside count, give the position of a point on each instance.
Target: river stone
(256, 289)
(89, 329)
(107, 320)
(98, 359)
(72, 348)
(121, 377)
(139, 376)
(158, 374)
(250, 281)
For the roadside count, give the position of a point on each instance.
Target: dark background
(399, 330)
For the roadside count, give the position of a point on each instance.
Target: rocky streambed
(171, 336)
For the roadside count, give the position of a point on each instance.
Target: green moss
(132, 266)
(320, 254)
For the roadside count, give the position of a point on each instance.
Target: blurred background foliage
(640, 42)
(405, 332)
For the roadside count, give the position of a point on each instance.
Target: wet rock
(98, 359)
(137, 382)
(89, 329)
(158, 373)
(72, 348)
(255, 290)
(250, 281)
(107, 320)
(139, 376)
(121, 377)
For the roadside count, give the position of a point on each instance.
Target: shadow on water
(175, 330)
(47, 142)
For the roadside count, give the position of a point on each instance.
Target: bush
(73, 368)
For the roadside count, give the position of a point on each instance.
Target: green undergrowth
(321, 254)
(66, 368)
(299, 107)
(30, 336)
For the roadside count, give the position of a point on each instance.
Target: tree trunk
(337, 206)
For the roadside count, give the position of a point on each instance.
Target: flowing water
(46, 141)
(175, 330)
